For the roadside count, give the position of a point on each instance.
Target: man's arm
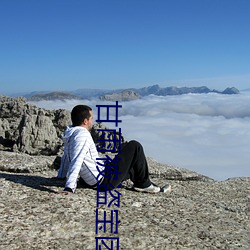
(77, 149)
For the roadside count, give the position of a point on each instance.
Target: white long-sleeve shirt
(80, 157)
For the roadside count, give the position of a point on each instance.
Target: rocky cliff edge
(199, 213)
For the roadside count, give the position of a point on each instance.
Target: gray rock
(32, 130)
(199, 213)
(23, 163)
(101, 133)
(37, 133)
(27, 128)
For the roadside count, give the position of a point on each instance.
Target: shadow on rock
(35, 182)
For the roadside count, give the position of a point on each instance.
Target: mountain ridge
(103, 94)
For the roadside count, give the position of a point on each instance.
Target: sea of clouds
(207, 133)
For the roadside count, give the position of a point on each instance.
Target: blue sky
(71, 44)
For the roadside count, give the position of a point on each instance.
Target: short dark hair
(79, 113)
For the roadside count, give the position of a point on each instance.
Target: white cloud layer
(207, 133)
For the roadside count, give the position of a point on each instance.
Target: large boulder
(27, 128)
(36, 131)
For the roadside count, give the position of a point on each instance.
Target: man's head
(81, 115)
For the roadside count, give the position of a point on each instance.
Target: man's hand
(66, 191)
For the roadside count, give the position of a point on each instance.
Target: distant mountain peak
(230, 91)
(125, 95)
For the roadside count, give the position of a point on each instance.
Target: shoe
(154, 189)
(151, 189)
(166, 188)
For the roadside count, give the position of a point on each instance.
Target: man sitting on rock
(81, 158)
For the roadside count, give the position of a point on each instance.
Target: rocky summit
(28, 129)
(199, 212)
(125, 95)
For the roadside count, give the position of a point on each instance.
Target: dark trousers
(132, 164)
